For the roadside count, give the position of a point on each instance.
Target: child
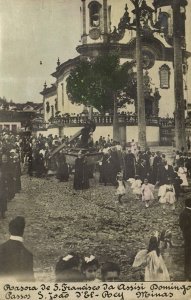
(182, 173)
(110, 272)
(90, 267)
(155, 269)
(147, 192)
(168, 194)
(166, 239)
(68, 269)
(120, 187)
(136, 187)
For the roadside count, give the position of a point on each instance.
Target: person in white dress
(121, 188)
(147, 192)
(136, 187)
(155, 268)
(165, 246)
(167, 195)
(182, 173)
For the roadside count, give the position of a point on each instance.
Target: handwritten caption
(118, 291)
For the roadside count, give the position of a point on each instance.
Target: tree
(104, 84)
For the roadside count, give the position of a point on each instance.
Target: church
(98, 36)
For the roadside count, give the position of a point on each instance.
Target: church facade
(98, 37)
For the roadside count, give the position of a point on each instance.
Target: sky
(42, 30)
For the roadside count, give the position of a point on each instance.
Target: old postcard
(95, 160)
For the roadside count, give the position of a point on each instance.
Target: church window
(94, 12)
(163, 22)
(52, 111)
(56, 104)
(164, 73)
(47, 107)
(7, 127)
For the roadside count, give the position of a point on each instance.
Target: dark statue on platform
(86, 140)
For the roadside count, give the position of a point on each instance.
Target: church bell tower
(96, 21)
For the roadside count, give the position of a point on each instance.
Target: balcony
(101, 120)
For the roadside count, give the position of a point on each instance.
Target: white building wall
(166, 102)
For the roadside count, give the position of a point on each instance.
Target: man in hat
(16, 261)
(185, 225)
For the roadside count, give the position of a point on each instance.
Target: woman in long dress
(62, 168)
(155, 268)
(182, 173)
(81, 179)
(136, 187)
(167, 195)
(147, 192)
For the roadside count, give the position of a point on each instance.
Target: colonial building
(98, 37)
(15, 117)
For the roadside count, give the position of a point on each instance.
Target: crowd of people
(119, 166)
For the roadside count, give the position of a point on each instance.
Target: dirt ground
(59, 220)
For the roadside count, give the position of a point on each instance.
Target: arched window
(47, 107)
(163, 22)
(94, 12)
(56, 104)
(52, 111)
(164, 73)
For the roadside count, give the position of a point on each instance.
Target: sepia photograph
(95, 149)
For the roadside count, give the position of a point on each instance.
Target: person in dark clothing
(8, 175)
(188, 143)
(165, 171)
(188, 165)
(81, 179)
(129, 168)
(62, 169)
(85, 133)
(143, 170)
(156, 163)
(15, 260)
(105, 170)
(16, 171)
(68, 269)
(115, 166)
(177, 183)
(185, 225)
(3, 194)
(40, 168)
(30, 163)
